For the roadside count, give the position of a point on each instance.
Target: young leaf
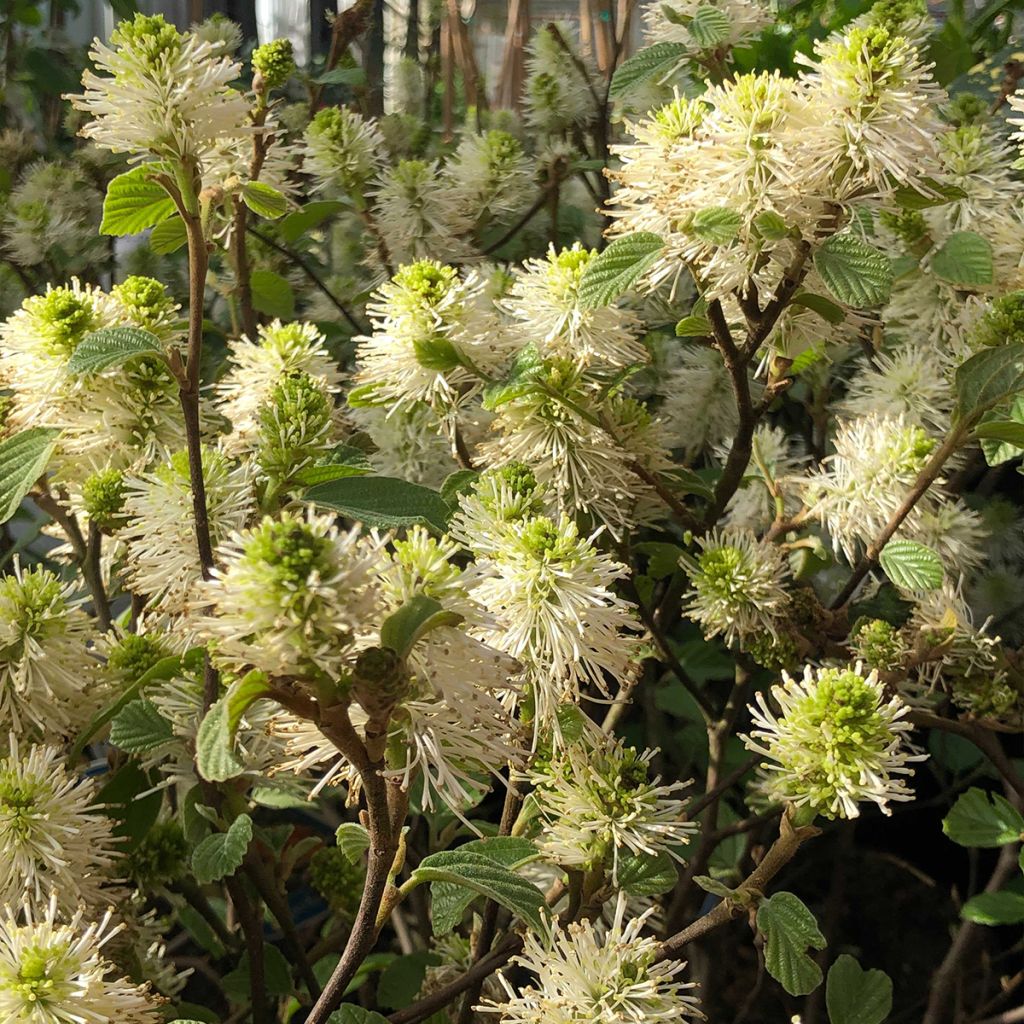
(979, 818)
(790, 930)
(23, 460)
(988, 377)
(349, 1013)
(382, 501)
(264, 200)
(709, 26)
(111, 347)
(449, 898)
(693, 327)
(353, 840)
(856, 996)
(521, 379)
(825, 308)
(995, 908)
(216, 758)
(856, 273)
(221, 854)
(716, 224)
(965, 259)
(272, 294)
(618, 268)
(134, 202)
(911, 566)
(140, 727)
(418, 616)
(771, 226)
(938, 194)
(652, 62)
(457, 483)
(1008, 433)
(644, 875)
(311, 216)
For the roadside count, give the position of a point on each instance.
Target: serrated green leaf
(986, 819)
(693, 327)
(436, 353)
(618, 268)
(1002, 439)
(964, 259)
(111, 347)
(856, 996)
(995, 908)
(912, 566)
(343, 461)
(23, 460)
(520, 381)
(938, 194)
(277, 975)
(790, 929)
(382, 501)
(989, 377)
(220, 855)
(351, 76)
(264, 200)
(134, 202)
(450, 898)
(401, 630)
(652, 62)
(644, 875)
(709, 26)
(216, 757)
(140, 727)
(353, 840)
(168, 236)
(312, 215)
(272, 294)
(856, 273)
(825, 308)
(716, 224)
(664, 557)
(771, 226)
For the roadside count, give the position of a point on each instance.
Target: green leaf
(111, 347)
(264, 200)
(618, 268)
(771, 226)
(964, 259)
(1005, 431)
(644, 875)
(650, 62)
(351, 76)
(709, 27)
(988, 377)
(449, 897)
(277, 976)
(343, 461)
(418, 616)
(436, 353)
(216, 758)
(133, 799)
(349, 1013)
(693, 327)
(825, 308)
(979, 818)
(168, 236)
(402, 979)
(134, 202)
(911, 566)
(457, 483)
(23, 460)
(140, 727)
(165, 668)
(521, 380)
(382, 501)
(995, 908)
(353, 840)
(221, 854)
(790, 930)
(272, 294)
(1002, 438)
(311, 216)
(938, 194)
(664, 557)
(856, 273)
(856, 996)
(716, 224)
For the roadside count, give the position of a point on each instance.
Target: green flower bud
(274, 63)
(337, 879)
(134, 655)
(878, 644)
(103, 496)
(1003, 322)
(160, 856)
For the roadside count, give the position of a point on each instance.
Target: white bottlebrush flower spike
(599, 805)
(56, 972)
(836, 741)
(54, 839)
(160, 93)
(586, 973)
